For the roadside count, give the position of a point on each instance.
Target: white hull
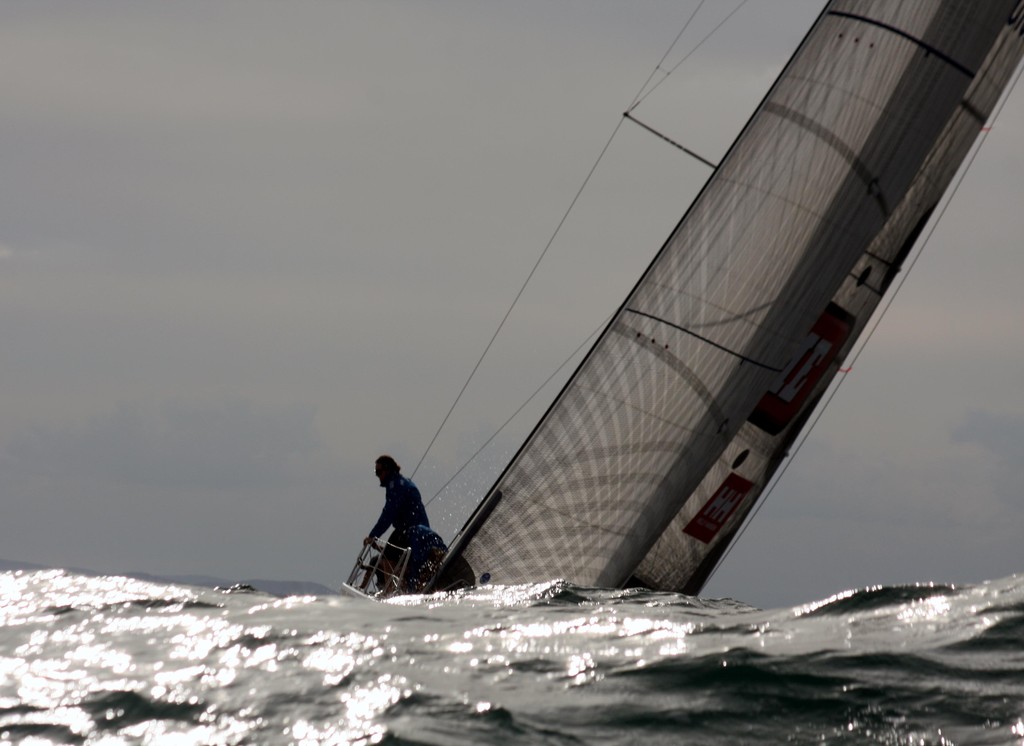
(352, 592)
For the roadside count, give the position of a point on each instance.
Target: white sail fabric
(679, 561)
(648, 425)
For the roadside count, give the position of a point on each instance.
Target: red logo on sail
(781, 403)
(709, 521)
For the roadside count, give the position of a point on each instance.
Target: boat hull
(352, 592)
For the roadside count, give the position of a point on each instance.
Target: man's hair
(388, 463)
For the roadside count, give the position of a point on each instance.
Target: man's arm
(387, 517)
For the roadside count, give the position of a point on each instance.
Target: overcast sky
(246, 247)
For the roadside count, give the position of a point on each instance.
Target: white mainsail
(665, 436)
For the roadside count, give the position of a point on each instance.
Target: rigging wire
(870, 332)
(519, 294)
(583, 345)
(641, 95)
(640, 98)
(637, 99)
(628, 115)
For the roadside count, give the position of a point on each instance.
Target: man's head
(385, 468)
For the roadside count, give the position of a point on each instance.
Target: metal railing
(378, 575)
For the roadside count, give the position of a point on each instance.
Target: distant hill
(274, 587)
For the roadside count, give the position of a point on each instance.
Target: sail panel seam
(909, 37)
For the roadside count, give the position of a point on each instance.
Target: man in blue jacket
(403, 509)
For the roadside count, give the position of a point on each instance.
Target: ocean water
(108, 660)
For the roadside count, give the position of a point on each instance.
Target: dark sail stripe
(829, 138)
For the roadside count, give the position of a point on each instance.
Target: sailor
(403, 507)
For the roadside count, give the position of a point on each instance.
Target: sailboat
(660, 445)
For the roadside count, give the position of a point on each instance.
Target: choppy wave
(86, 660)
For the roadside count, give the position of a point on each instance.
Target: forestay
(664, 437)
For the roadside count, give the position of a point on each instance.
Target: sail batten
(663, 439)
(900, 32)
(702, 338)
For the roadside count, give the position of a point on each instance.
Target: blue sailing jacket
(403, 507)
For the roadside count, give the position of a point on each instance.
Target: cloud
(177, 444)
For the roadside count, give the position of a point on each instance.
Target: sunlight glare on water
(118, 661)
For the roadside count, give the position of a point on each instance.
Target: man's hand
(368, 540)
